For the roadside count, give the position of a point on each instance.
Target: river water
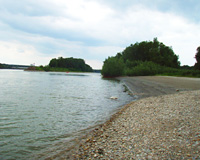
(42, 112)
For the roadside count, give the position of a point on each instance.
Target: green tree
(112, 67)
(144, 58)
(154, 51)
(72, 64)
(197, 57)
(53, 63)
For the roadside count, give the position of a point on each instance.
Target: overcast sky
(35, 31)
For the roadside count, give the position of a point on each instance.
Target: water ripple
(42, 113)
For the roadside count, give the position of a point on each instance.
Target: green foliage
(112, 67)
(187, 67)
(197, 56)
(148, 58)
(131, 64)
(181, 72)
(12, 66)
(46, 68)
(143, 69)
(72, 64)
(151, 51)
(150, 68)
(40, 68)
(5, 66)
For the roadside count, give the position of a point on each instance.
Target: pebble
(165, 127)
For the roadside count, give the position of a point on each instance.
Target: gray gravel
(164, 127)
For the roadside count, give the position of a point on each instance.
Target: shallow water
(39, 111)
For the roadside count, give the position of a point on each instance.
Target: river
(42, 112)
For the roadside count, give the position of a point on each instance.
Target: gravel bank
(148, 86)
(162, 124)
(164, 127)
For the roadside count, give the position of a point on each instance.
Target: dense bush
(1, 65)
(148, 58)
(150, 68)
(153, 51)
(144, 69)
(112, 67)
(145, 58)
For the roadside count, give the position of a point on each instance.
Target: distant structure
(13, 66)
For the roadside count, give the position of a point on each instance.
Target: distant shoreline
(50, 69)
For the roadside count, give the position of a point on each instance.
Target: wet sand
(164, 123)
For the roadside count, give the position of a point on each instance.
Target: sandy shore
(148, 86)
(166, 125)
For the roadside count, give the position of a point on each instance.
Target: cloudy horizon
(34, 31)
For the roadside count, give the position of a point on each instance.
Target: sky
(35, 31)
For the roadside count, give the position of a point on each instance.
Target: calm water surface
(42, 112)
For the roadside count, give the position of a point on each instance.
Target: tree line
(66, 64)
(73, 64)
(12, 66)
(147, 58)
(55, 64)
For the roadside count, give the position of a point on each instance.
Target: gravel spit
(162, 127)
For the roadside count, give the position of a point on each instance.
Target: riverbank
(148, 86)
(164, 125)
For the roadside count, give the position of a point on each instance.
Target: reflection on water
(68, 74)
(39, 110)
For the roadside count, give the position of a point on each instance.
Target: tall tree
(197, 56)
(154, 51)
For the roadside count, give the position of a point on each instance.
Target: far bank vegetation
(61, 64)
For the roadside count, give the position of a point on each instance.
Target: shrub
(112, 67)
(144, 69)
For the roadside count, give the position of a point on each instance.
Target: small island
(64, 65)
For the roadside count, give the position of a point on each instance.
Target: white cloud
(17, 53)
(87, 29)
(183, 36)
(104, 51)
(95, 64)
